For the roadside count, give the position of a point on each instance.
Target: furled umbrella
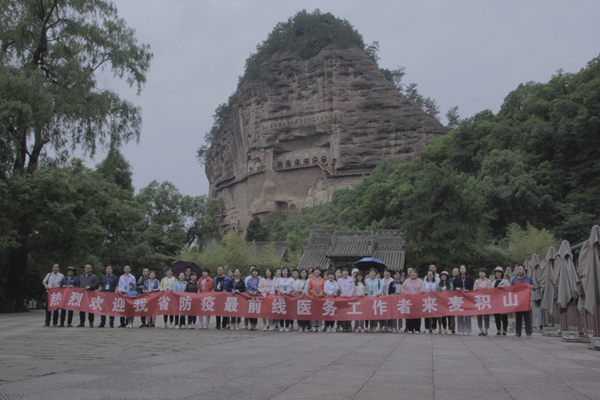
(534, 265)
(537, 314)
(589, 271)
(508, 274)
(549, 288)
(565, 276)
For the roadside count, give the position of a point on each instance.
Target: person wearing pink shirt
(413, 285)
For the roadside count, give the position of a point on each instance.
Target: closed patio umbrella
(589, 272)
(534, 265)
(548, 289)
(565, 276)
(508, 274)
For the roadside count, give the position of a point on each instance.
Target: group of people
(282, 281)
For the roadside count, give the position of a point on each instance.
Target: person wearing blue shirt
(373, 287)
(68, 281)
(123, 287)
(520, 315)
(179, 287)
(108, 283)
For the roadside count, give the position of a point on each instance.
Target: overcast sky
(469, 54)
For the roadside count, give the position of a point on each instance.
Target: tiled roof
(313, 258)
(320, 238)
(393, 259)
(324, 247)
(350, 247)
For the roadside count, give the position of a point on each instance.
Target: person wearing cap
(68, 281)
(445, 286)
(483, 321)
(108, 283)
(51, 280)
(500, 319)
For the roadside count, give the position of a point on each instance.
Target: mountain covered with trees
(529, 172)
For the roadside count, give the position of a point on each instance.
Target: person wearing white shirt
(284, 285)
(386, 324)
(252, 267)
(330, 289)
(52, 280)
(123, 287)
(346, 287)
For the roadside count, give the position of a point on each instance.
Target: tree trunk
(17, 274)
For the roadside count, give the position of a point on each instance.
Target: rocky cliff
(317, 125)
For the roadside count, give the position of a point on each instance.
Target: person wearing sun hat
(500, 319)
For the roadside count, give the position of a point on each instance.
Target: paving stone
(112, 364)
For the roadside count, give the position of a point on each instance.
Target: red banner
(297, 307)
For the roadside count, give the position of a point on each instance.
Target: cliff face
(321, 125)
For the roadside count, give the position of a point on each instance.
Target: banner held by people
(299, 307)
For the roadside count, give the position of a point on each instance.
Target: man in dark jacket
(220, 284)
(108, 283)
(87, 281)
(140, 289)
(192, 287)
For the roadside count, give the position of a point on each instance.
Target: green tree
(115, 168)
(453, 118)
(255, 232)
(520, 244)
(51, 54)
(441, 219)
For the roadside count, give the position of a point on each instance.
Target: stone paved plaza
(85, 363)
